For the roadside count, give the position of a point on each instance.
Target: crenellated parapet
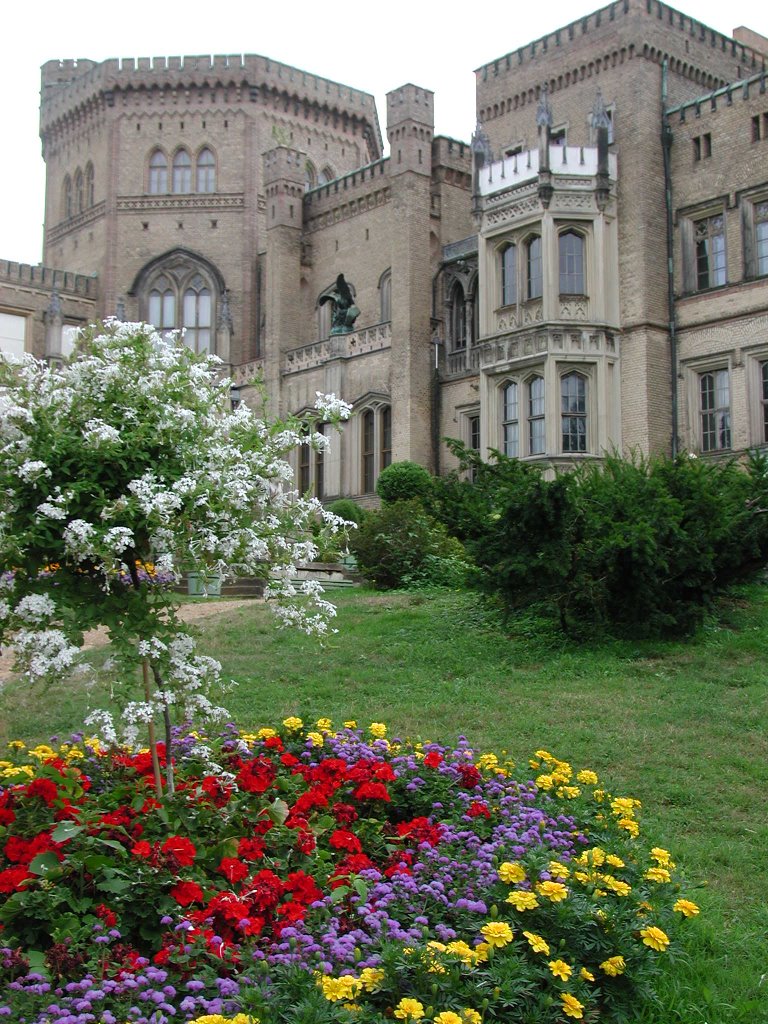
(47, 278)
(71, 89)
(608, 38)
(347, 196)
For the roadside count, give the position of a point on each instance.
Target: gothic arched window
(206, 171)
(181, 291)
(571, 254)
(158, 173)
(79, 192)
(67, 197)
(182, 172)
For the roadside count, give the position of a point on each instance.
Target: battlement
(410, 103)
(282, 162)
(744, 89)
(27, 275)
(602, 21)
(447, 152)
(369, 178)
(67, 84)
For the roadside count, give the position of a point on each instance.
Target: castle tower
(283, 191)
(410, 129)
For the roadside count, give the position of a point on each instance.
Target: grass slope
(681, 725)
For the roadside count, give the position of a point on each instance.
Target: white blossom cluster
(133, 455)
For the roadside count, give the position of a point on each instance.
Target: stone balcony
(339, 346)
(543, 341)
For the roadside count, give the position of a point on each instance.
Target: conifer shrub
(404, 481)
(348, 509)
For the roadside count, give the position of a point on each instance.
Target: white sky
(433, 45)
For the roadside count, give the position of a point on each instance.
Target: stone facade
(515, 292)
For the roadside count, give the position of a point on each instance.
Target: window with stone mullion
(715, 411)
(536, 424)
(710, 252)
(573, 408)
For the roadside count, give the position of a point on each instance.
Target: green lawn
(683, 726)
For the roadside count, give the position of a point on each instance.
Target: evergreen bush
(403, 481)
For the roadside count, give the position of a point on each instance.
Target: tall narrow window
(709, 236)
(197, 316)
(385, 297)
(304, 466)
(182, 172)
(536, 433)
(369, 451)
(320, 465)
(309, 175)
(764, 398)
(206, 171)
(158, 173)
(79, 192)
(162, 307)
(458, 318)
(325, 176)
(67, 197)
(511, 421)
(715, 411)
(509, 276)
(13, 332)
(386, 436)
(573, 412)
(761, 238)
(89, 189)
(534, 281)
(571, 251)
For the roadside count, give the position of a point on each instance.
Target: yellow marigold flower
(17, 745)
(409, 1009)
(630, 825)
(480, 953)
(554, 891)
(661, 855)
(74, 754)
(543, 755)
(582, 876)
(25, 769)
(655, 938)
(624, 806)
(317, 738)
(522, 899)
(336, 989)
(447, 1017)
(534, 764)
(293, 724)
(599, 795)
(267, 734)
(487, 761)
(586, 975)
(560, 969)
(587, 777)
(660, 875)
(597, 856)
(559, 870)
(568, 792)
(571, 1006)
(351, 724)
(686, 907)
(470, 1016)
(378, 730)
(614, 861)
(371, 977)
(324, 723)
(42, 752)
(613, 966)
(462, 950)
(544, 781)
(616, 885)
(497, 933)
(511, 872)
(537, 943)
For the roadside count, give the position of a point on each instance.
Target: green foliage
(639, 547)
(401, 545)
(403, 481)
(348, 509)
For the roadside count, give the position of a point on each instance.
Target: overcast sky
(373, 47)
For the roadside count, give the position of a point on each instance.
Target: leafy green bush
(639, 547)
(403, 481)
(348, 509)
(401, 545)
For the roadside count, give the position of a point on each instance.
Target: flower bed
(316, 876)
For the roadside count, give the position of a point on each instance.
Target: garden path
(202, 609)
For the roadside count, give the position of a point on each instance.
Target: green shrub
(348, 509)
(401, 545)
(638, 547)
(403, 481)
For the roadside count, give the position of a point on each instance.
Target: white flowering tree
(125, 467)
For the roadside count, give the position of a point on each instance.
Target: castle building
(589, 273)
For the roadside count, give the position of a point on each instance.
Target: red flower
(477, 809)
(44, 789)
(420, 830)
(106, 915)
(142, 849)
(342, 839)
(233, 869)
(274, 743)
(264, 890)
(256, 776)
(433, 759)
(11, 879)
(289, 760)
(470, 776)
(250, 849)
(305, 842)
(303, 887)
(186, 893)
(180, 849)
(344, 813)
(371, 791)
